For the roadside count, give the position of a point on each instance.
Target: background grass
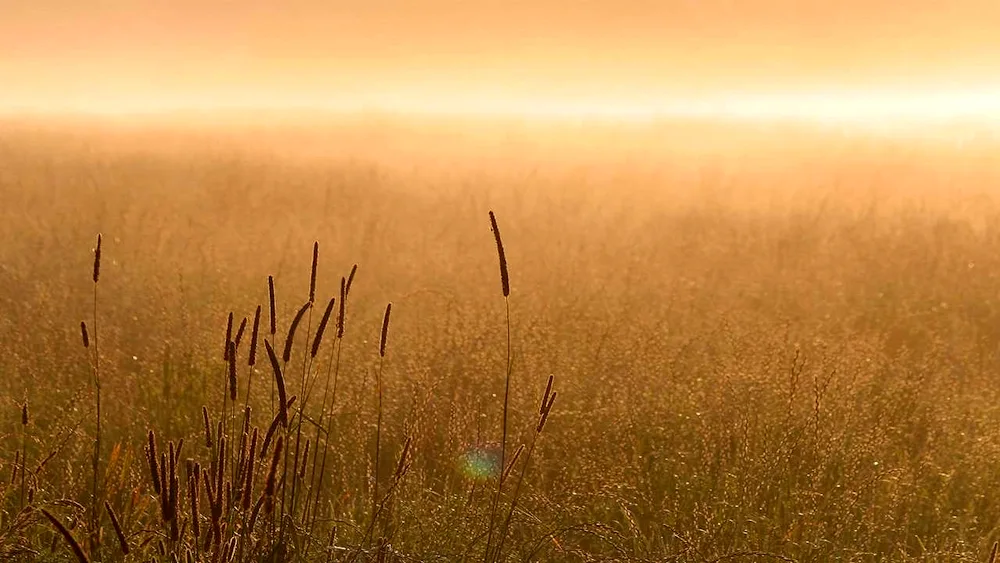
(757, 353)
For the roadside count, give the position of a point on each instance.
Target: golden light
(855, 106)
(862, 108)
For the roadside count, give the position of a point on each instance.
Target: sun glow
(876, 107)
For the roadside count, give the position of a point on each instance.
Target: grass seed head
(385, 330)
(350, 279)
(279, 381)
(504, 278)
(74, 545)
(312, 272)
(253, 338)
(151, 459)
(208, 426)
(239, 333)
(318, 339)
(342, 311)
(229, 338)
(232, 371)
(286, 355)
(270, 300)
(116, 524)
(97, 259)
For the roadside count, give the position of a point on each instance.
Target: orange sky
(106, 54)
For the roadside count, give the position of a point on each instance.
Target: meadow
(763, 346)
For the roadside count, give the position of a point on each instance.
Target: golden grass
(753, 358)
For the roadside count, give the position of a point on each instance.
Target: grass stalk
(378, 423)
(96, 364)
(334, 364)
(505, 288)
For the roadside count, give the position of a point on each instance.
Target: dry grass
(753, 358)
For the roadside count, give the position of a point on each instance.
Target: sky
(621, 58)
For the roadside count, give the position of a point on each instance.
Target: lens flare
(481, 463)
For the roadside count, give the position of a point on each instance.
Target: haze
(842, 60)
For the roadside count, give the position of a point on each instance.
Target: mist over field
(766, 342)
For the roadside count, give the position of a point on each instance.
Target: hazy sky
(103, 54)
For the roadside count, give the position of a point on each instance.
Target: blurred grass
(774, 353)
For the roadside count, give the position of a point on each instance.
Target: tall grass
(790, 376)
(95, 362)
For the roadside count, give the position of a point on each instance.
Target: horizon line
(854, 108)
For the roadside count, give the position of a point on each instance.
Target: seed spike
(318, 339)
(385, 331)
(122, 541)
(74, 545)
(280, 381)
(350, 278)
(545, 397)
(239, 333)
(270, 298)
(504, 279)
(208, 426)
(253, 338)
(340, 314)
(151, 456)
(97, 259)
(312, 275)
(290, 339)
(232, 370)
(545, 413)
(229, 338)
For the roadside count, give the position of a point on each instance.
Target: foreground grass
(811, 379)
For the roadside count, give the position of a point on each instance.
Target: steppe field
(720, 343)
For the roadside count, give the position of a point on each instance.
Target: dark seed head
(385, 330)
(270, 298)
(229, 338)
(340, 314)
(97, 259)
(239, 333)
(279, 381)
(350, 278)
(290, 339)
(232, 371)
(318, 339)
(504, 279)
(312, 274)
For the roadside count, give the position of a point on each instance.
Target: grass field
(757, 354)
